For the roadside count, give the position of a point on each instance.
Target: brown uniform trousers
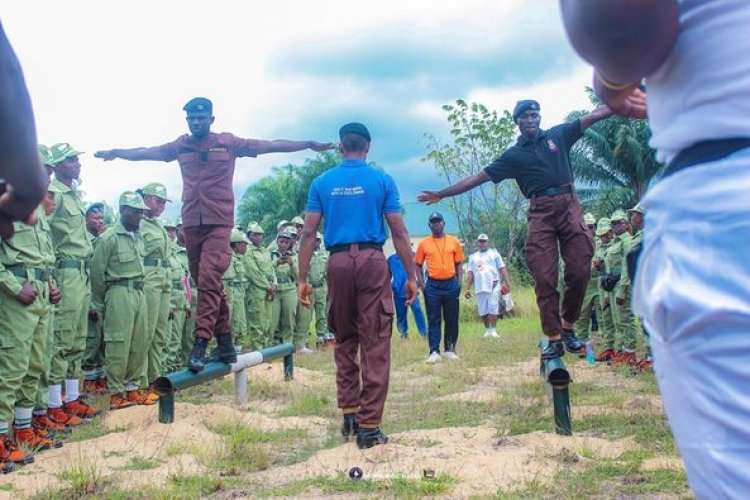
(554, 219)
(209, 256)
(361, 318)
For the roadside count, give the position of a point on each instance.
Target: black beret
(355, 128)
(523, 106)
(198, 104)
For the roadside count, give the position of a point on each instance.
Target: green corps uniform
(621, 315)
(179, 305)
(284, 305)
(189, 325)
(260, 276)
(24, 329)
(623, 291)
(591, 298)
(606, 318)
(117, 281)
(93, 357)
(72, 252)
(317, 279)
(158, 290)
(237, 308)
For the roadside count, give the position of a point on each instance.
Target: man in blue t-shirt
(355, 200)
(398, 286)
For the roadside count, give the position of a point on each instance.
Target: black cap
(198, 104)
(95, 207)
(355, 128)
(524, 106)
(436, 216)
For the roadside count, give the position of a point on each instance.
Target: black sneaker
(349, 427)
(553, 350)
(225, 351)
(367, 438)
(572, 343)
(196, 363)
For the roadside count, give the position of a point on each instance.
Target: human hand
(411, 292)
(321, 146)
(467, 294)
(55, 295)
(505, 290)
(172, 313)
(27, 295)
(188, 313)
(628, 101)
(429, 197)
(304, 294)
(93, 315)
(620, 301)
(9, 205)
(106, 154)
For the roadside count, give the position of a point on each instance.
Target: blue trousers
(441, 299)
(402, 316)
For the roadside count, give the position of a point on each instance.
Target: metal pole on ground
(557, 379)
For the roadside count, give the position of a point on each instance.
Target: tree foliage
(613, 163)
(478, 137)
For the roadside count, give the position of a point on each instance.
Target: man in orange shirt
(444, 257)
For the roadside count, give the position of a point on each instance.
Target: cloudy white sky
(116, 74)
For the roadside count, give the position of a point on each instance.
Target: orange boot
(80, 409)
(140, 397)
(605, 355)
(46, 424)
(35, 440)
(117, 402)
(59, 416)
(9, 452)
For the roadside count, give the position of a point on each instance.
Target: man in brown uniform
(540, 164)
(355, 199)
(207, 163)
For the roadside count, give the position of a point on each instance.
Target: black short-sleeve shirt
(539, 163)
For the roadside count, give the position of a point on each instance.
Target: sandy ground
(481, 460)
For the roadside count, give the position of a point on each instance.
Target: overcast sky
(116, 74)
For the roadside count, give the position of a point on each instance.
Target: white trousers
(693, 292)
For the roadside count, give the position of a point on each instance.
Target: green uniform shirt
(614, 254)
(236, 275)
(623, 286)
(259, 267)
(155, 239)
(118, 256)
(286, 274)
(30, 247)
(68, 223)
(317, 274)
(177, 272)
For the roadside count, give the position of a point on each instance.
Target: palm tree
(613, 162)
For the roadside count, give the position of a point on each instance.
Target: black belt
(131, 283)
(177, 285)
(317, 284)
(37, 273)
(346, 246)
(704, 152)
(153, 262)
(553, 191)
(72, 264)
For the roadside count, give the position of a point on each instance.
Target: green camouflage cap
(603, 226)
(298, 221)
(45, 155)
(132, 200)
(483, 237)
(237, 237)
(589, 219)
(62, 151)
(254, 227)
(52, 188)
(318, 236)
(168, 223)
(637, 208)
(281, 224)
(286, 234)
(618, 215)
(154, 189)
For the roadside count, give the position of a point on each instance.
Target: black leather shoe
(367, 438)
(225, 351)
(196, 363)
(349, 427)
(553, 350)
(571, 342)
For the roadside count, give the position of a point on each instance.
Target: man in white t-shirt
(486, 268)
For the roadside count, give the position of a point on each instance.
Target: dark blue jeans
(402, 316)
(441, 300)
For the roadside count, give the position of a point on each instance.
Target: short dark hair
(353, 143)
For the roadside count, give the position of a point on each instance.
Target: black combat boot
(196, 362)
(572, 343)
(349, 426)
(367, 438)
(553, 350)
(225, 351)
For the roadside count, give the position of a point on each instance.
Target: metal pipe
(557, 378)
(240, 387)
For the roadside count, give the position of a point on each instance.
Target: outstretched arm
(133, 154)
(625, 40)
(594, 116)
(461, 186)
(285, 146)
(24, 180)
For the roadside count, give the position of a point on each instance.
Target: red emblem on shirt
(552, 146)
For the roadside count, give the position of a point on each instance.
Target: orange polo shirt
(441, 256)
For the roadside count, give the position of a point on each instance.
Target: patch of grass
(650, 431)
(243, 433)
(109, 454)
(85, 479)
(6, 487)
(92, 430)
(203, 393)
(396, 487)
(430, 414)
(311, 403)
(197, 486)
(140, 463)
(180, 447)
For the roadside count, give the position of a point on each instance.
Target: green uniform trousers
(23, 343)
(238, 314)
(125, 323)
(607, 322)
(71, 324)
(42, 394)
(320, 294)
(188, 329)
(283, 312)
(625, 320)
(93, 356)
(590, 300)
(258, 318)
(174, 360)
(157, 290)
(303, 319)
